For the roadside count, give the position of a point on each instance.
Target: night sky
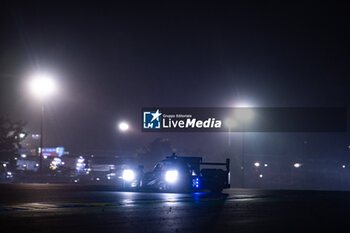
(111, 59)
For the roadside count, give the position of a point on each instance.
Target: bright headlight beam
(128, 175)
(171, 176)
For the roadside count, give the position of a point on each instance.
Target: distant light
(24, 165)
(261, 176)
(243, 104)
(56, 160)
(4, 164)
(343, 166)
(9, 173)
(257, 164)
(62, 163)
(22, 135)
(297, 165)
(42, 85)
(97, 178)
(80, 165)
(45, 156)
(37, 165)
(123, 126)
(23, 155)
(35, 136)
(108, 177)
(265, 165)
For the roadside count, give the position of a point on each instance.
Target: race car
(179, 174)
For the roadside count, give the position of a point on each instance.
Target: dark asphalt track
(76, 208)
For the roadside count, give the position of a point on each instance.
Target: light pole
(237, 120)
(41, 86)
(231, 124)
(123, 127)
(243, 158)
(41, 136)
(244, 114)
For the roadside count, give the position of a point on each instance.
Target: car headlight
(171, 176)
(128, 175)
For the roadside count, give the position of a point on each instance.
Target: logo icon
(151, 120)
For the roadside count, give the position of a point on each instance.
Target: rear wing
(227, 165)
(196, 162)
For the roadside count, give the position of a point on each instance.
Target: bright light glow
(257, 164)
(56, 160)
(4, 165)
(22, 135)
(230, 123)
(243, 104)
(171, 176)
(37, 165)
(123, 126)
(261, 176)
(128, 175)
(23, 155)
(343, 166)
(244, 114)
(54, 164)
(42, 85)
(265, 165)
(35, 136)
(80, 165)
(297, 165)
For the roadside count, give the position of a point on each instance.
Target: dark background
(111, 59)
